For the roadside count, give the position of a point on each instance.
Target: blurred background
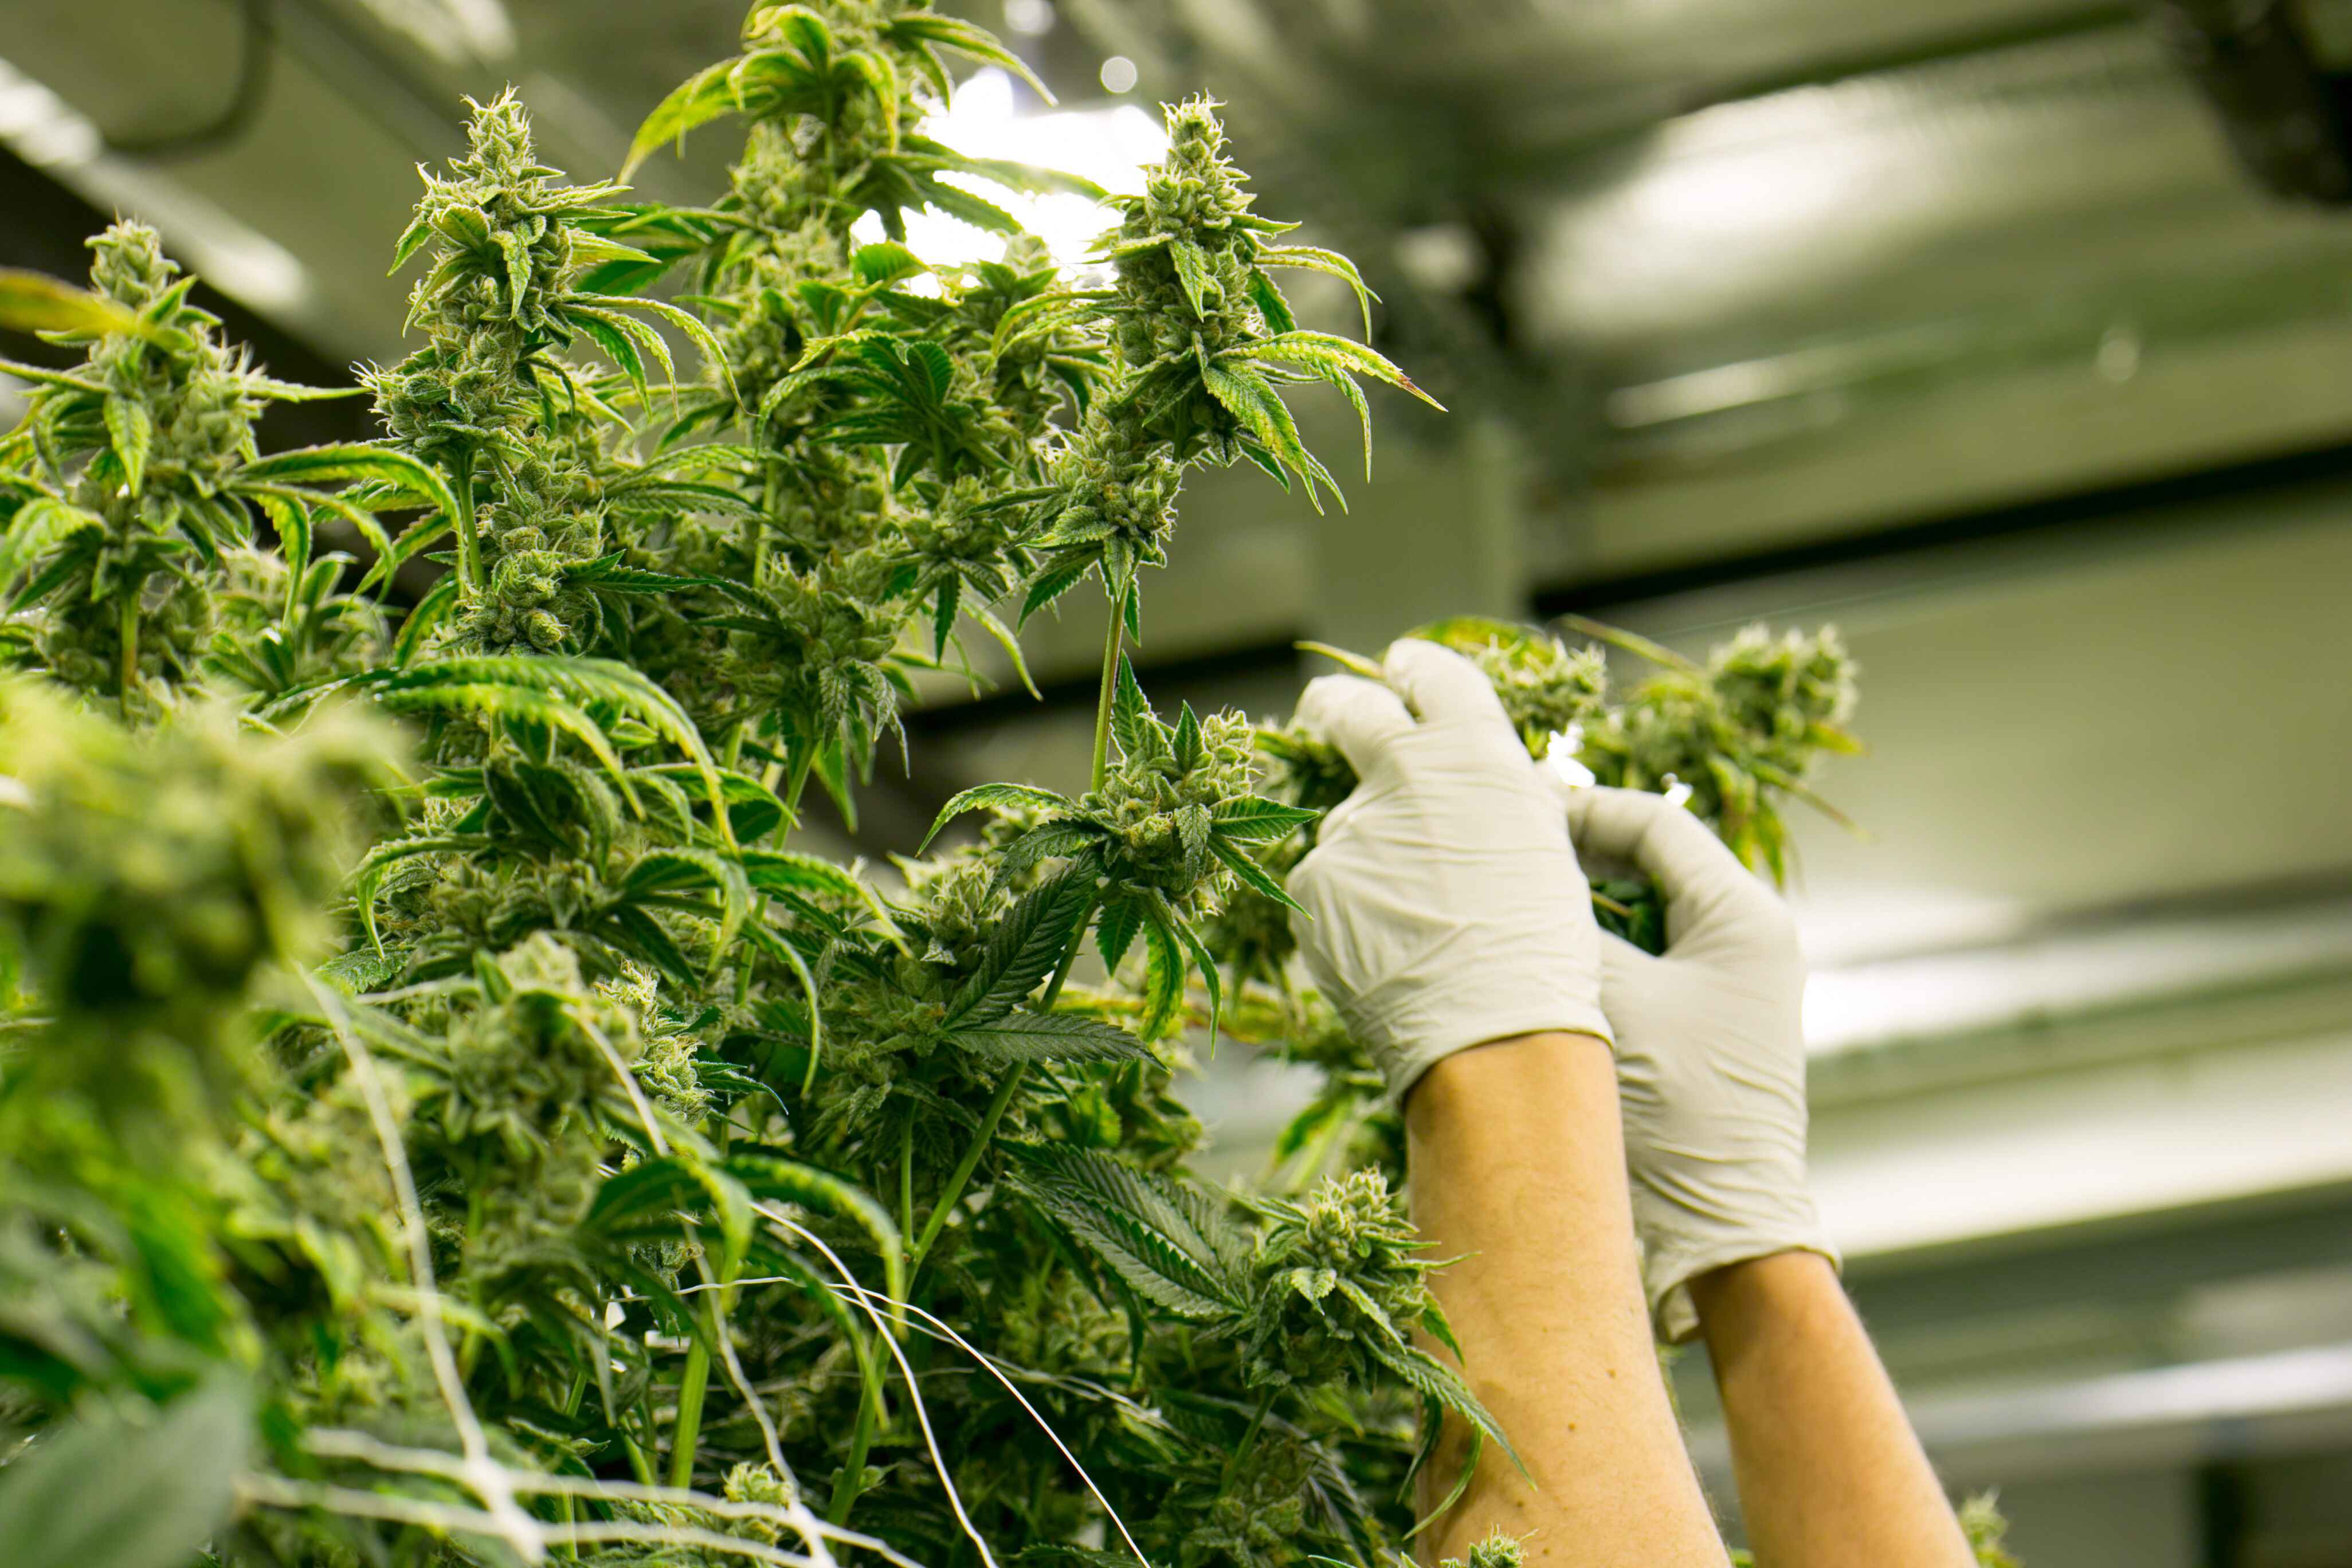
(2014, 336)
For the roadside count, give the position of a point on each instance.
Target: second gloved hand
(1443, 904)
(1710, 1053)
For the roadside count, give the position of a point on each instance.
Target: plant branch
(694, 1381)
(1112, 641)
(127, 625)
(1006, 1089)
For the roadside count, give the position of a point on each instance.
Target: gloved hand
(1443, 905)
(1710, 1053)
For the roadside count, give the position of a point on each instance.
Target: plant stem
(1077, 943)
(1113, 640)
(1007, 1088)
(693, 1382)
(1249, 1440)
(127, 623)
(1003, 1098)
(470, 538)
(801, 766)
(906, 1174)
(852, 1478)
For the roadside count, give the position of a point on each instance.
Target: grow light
(1109, 146)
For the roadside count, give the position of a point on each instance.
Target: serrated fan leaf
(1192, 272)
(1025, 1037)
(1115, 929)
(1164, 1240)
(992, 795)
(1163, 977)
(662, 872)
(1065, 836)
(1051, 584)
(578, 685)
(431, 610)
(1206, 963)
(354, 464)
(1253, 875)
(1252, 399)
(1434, 1380)
(1002, 634)
(1330, 263)
(1253, 819)
(368, 880)
(1185, 743)
(965, 39)
(1028, 944)
(886, 261)
(1137, 729)
(695, 102)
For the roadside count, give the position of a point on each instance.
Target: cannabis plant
(444, 1120)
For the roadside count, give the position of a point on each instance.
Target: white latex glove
(1710, 1053)
(1443, 905)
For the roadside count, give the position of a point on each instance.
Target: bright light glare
(1118, 74)
(1109, 146)
(1031, 19)
(457, 32)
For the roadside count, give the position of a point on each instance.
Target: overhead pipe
(2288, 117)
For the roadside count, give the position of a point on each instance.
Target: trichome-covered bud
(1160, 804)
(1786, 691)
(1304, 1326)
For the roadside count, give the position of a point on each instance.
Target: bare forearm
(1518, 1172)
(1830, 1473)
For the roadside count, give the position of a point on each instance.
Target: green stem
(1006, 1089)
(846, 1485)
(470, 538)
(1249, 1440)
(801, 766)
(1062, 975)
(907, 1172)
(852, 1478)
(127, 623)
(691, 1390)
(1112, 641)
(693, 1382)
(997, 1103)
(760, 526)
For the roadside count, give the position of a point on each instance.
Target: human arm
(1519, 1173)
(1830, 1473)
(1444, 912)
(1711, 1068)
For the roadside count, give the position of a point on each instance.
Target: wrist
(1742, 1303)
(1524, 1065)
